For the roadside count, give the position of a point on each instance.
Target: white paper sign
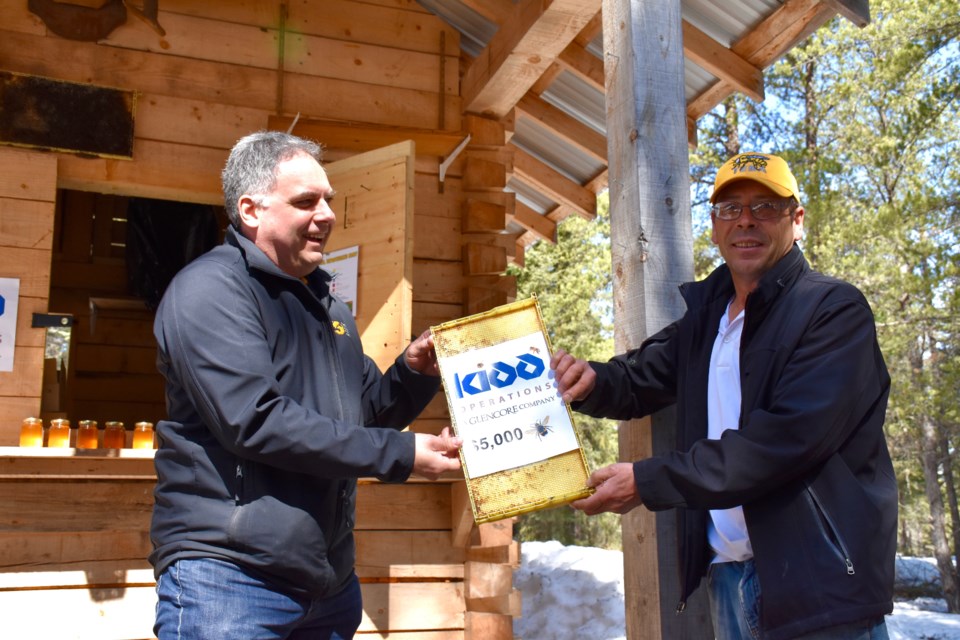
(343, 264)
(9, 296)
(506, 407)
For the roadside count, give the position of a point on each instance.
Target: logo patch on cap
(748, 162)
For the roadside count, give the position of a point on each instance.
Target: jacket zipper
(830, 531)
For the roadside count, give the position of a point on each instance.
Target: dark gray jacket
(809, 463)
(268, 392)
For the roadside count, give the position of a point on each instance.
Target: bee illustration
(540, 428)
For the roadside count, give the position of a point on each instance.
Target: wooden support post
(652, 253)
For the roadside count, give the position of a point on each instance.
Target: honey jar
(87, 437)
(31, 432)
(58, 435)
(143, 435)
(114, 436)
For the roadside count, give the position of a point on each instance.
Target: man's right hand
(575, 378)
(435, 455)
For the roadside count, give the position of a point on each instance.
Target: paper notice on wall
(9, 295)
(343, 265)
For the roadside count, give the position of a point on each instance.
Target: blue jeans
(734, 593)
(208, 599)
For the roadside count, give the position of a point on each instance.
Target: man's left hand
(420, 355)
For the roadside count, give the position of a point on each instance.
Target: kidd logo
(500, 375)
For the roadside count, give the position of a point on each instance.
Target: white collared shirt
(727, 530)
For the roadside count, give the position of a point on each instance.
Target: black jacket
(809, 463)
(268, 390)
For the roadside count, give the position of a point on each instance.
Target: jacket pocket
(829, 531)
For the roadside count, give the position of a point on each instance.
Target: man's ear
(798, 214)
(249, 211)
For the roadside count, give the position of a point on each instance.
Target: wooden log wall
(355, 74)
(73, 539)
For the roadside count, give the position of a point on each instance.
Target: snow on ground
(577, 592)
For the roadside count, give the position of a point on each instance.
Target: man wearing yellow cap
(786, 496)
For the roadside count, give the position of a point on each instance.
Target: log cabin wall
(354, 75)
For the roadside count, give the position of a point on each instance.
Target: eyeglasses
(766, 210)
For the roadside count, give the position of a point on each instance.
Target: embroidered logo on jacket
(339, 328)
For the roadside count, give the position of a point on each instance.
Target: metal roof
(726, 22)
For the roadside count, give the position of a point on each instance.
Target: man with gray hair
(274, 412)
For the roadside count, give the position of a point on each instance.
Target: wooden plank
(488, 626)
(583, 64)
(437, 238)
(571, 130)
(164, 170)
(82, 614)
(26, 379)
(410, 606)
(520, 51)
(195, 122)
(406, 507)
(27, 175)
(408, 555)
(18, 17)
(359, 137)
(482, 215)
(403, 25)
(506, 604)
(98, 613)
(706, 52)
(438, 281)
(429, 314)
(13, 409)
(27, 334)
(431, 200)
(461, 515)
(113, 386)
(27, 224)
(61, 551)
(34, 505)
(350, 101)
(486, 579)
(540, 226)
(480, 259)
(554, 184)
(143, 71)
(116, 359)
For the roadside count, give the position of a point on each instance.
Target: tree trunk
(948, 480)
(941, 550)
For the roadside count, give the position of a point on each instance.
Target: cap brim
(780, 190)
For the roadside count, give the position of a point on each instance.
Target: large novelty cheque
(521, 451)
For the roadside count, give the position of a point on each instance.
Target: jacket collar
(718, 286)
(257, 259)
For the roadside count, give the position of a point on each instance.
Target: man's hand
(616, 491)
(436, 454)
(575, 378)
(420, 355)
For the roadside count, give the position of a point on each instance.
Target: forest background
(869, 121)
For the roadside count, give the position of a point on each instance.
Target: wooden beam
(573, 131)
(584, 64)
(553, 184)
(767, 42)
(541, 227)
(483, 260)
(856, 11)
(496, 11)
(520, 51)
(361, 137)
(717, 59)
(461, 515)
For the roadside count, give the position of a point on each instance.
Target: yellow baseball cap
(770, 171)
